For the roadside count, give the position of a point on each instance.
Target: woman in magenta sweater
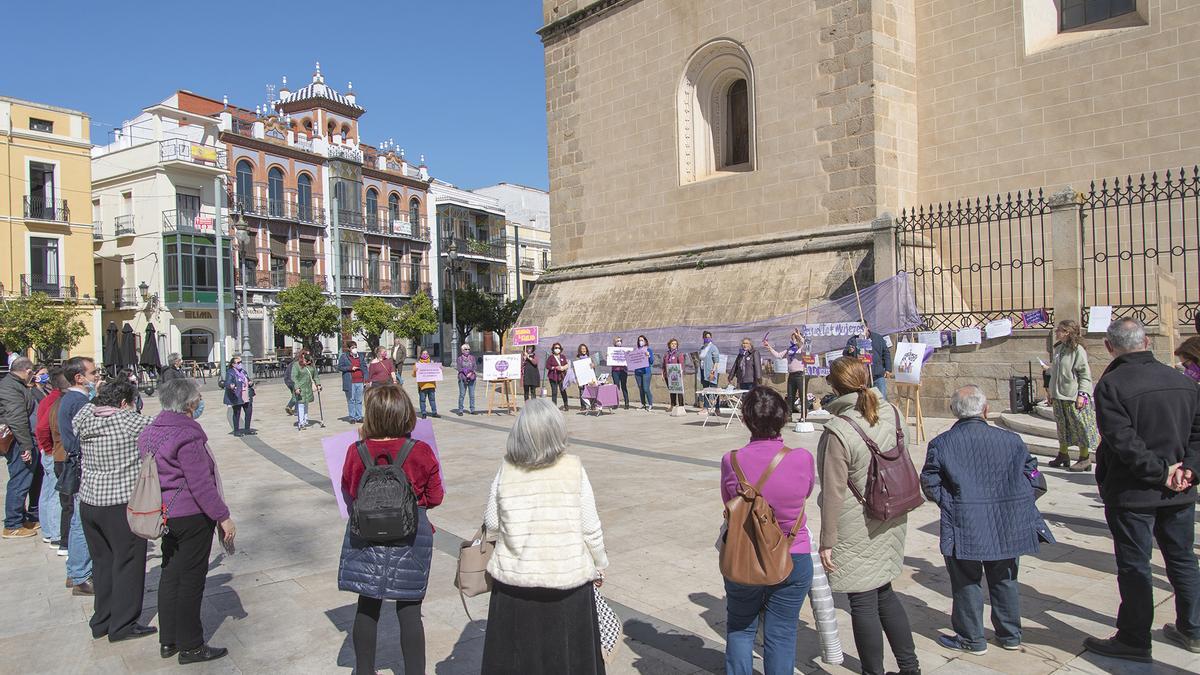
(191, 493)
(765, 413)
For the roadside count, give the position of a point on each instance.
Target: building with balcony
(44, 218)
(527, 229)
(320, 205)
(474, 225)
(158, 195)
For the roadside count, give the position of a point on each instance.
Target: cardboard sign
(1035, 317)
(931, 338)
(779, 365)
(498, 367)
(637, 358)
(910, 356)
(998, 328)
(830, 357)
(616, 355)
(335, 448)
(808, 359)
(429, 372)
(968, 336)
(524, 336)
(585, 373)
(675, 378)
(816, 371)
(1099, 317)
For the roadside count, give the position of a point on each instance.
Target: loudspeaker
(1020, 394)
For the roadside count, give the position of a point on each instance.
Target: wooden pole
(858, 300)
(804, 375)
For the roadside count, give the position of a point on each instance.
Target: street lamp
(452, 255)
(244, 241)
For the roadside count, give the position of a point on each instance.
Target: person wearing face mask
(673, 356)
(81, 374)
(583, 353)
(710, 363)
(16, 405)
(620, 375)
(50, 502)
(304, 379)
(795, 367)
(131, 375)
(531, 375)
(466, 378)
(191, 486)
(108, 429)
(556, 372)
(239, 394)
(745, 371)
(1189, 356)
(642, 375)
(426, 391)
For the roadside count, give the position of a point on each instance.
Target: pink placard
(524, 336)
(336, 446)
(637, 358)
(429, 372)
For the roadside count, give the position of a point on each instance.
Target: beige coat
(867, 553)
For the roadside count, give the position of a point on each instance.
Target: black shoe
(1059, 462)
(249, 432)
(137, 631)
(1175, 635)
(458, 412)
(423, 415)
(436, 415)
(237, 434)
(201, 654)
(167, 651)
(1116, 649)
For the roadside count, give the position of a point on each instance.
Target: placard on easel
(908, 393)
(505, 389)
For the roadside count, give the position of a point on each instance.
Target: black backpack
(385, 511)
(287, 376)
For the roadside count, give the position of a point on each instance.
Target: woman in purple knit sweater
(765, 413)
(191, 489)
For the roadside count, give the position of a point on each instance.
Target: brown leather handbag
(6, 439)
(755, 551)
(893, 487)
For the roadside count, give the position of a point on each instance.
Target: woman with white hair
(191, 489)
(549, 552)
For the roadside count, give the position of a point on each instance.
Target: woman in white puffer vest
(549, 553)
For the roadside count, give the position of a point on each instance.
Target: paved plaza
(276, 606)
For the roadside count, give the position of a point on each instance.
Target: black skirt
(540, 630)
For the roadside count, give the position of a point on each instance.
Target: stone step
(1033, 425)
(1044, 411)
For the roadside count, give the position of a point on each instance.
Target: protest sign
(501, 367)
(998, 328)
(1099, 317)
(637, 358)
(524, 336)
(429, 372)
(675, 378)
(816, 371)
(968, 336)
(931, 338)
(1032, 318)
(585, 374)
(335, 448)
(616, 355)
(910, 356)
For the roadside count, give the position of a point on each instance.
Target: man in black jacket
(1148, 462)
(174, 371)
(881, 357)
(16, 403)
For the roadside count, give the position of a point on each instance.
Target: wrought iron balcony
(123, 225)
(97, 231)
(477, 248)
(125, 298)
(183, 150)
(279, 278)
(352, 283)
(191, 222)
(350, 219)
(55, 286)
(39, 208)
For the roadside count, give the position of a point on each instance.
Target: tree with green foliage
(372, 318)
(305, 314)
(474, 308)
(49, 327)
(503, 316)
(416, 319)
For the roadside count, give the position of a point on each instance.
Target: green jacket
(867, 553)
(1070, 373)
(304, 377)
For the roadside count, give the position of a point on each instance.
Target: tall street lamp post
(244, 243)
(452, 255)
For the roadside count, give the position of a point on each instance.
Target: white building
(527, 240)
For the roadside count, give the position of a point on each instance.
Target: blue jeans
(354, 399)
(881, 385)
(79, 558)
(20, 479)
(643, 385)
(49, 506)
(428, 395)
(465, 387)
(780, 604)
(966, 587)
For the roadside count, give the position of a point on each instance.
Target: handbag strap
(872, 446)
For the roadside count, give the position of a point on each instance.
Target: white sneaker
(62, 552)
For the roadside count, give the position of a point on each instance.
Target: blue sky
(460, 81)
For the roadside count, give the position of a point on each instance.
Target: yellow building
(46, 209)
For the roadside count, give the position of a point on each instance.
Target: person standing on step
(1147, 467)
(354, 374)
(239, 395)
(1071, 397)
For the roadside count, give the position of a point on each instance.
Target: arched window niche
(716, 112)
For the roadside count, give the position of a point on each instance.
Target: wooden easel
(505, 389)
(910, 393)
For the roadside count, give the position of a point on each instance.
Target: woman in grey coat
(862, 555)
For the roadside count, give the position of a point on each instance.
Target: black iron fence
(1131, 229)
(977, 262)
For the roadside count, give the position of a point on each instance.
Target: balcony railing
(350, 219)
(372, 222)
(39, 208)
(352, 283)
(55, 286)
(375, 285)
(124, 298)
(183, 150)
(123, 225)
(529, 264)
(493, 250)
(192, 222)
(97, 231)
(342, 152)
(279, 278)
